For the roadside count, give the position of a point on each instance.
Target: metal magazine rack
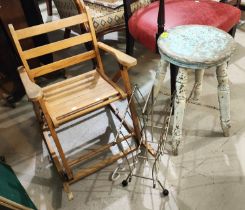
(150, 148)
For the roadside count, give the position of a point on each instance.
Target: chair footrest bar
(96, 152)
(99, 165)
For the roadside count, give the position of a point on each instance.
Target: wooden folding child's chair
(64, 101)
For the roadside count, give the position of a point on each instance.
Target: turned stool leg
(179, 107)
(224, 97)
(160, 75)
(198, 83)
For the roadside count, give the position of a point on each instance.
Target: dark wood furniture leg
(129, 44)
(49, 7)
(173, 74)
(129, 38)
(233, 31)
(67, 33)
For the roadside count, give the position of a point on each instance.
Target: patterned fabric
(104, 18)
(107, 3)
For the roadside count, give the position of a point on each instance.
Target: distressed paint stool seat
(196, 47)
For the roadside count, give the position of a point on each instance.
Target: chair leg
(68, 191)
(54, 135)
(49, 7)
(38, 113)
(46, 139)
(60, 150)
(129, 44)
(52, 153)
(179, 105)
(224, 97)
(173, 74)
(232, 32)
(198, 83)
(67, 33)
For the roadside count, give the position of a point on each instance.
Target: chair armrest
(122, 58)
(33, 91)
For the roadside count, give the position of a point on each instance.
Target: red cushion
(143, 23)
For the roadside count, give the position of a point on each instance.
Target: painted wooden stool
(195, 47)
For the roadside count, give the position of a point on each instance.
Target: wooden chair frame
(12, 205)
(42, 97)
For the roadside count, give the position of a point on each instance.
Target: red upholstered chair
(147, 23)
(143, 25)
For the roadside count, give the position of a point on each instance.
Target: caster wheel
(70, 196)
(124, 183)
(154, 186)
(130, 179)
(165, 192)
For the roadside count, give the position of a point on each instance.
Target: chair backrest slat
(51, 26)
(88, 37)
(36, 72)
(56, 46)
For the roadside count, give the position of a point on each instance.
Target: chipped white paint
(160, 76)
(196, 47)
(180, 101)
(224, 97)
(198, 84)
(179, 107)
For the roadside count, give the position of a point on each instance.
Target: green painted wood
(11, 188)
(196, 46)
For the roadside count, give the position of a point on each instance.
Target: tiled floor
(208, 173)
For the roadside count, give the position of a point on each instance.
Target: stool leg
(160, 75)
(224, 97)
(198, 83)
(179, 107)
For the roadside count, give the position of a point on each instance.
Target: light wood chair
(66, 100)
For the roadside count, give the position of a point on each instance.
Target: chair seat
(70, 98)
(143, 23)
